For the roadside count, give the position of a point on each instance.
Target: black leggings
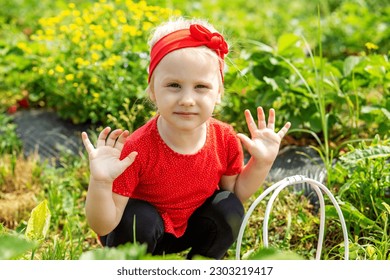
(211, 229)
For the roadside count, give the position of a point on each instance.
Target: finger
(87, 144)
(102, 137)
(127, 161)
(261, 118)
(284, 130)
(121, 140)
(245, 140)
(271, 119)
(111, 139)
(250, 122)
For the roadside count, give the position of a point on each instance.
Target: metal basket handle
(277, 188)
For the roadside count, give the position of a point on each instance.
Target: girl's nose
(187, 98)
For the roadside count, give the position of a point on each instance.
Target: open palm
(264, 143)
(104, 160)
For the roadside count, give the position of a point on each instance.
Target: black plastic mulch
(44, 132)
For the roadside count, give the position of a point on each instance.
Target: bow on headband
(197, 35)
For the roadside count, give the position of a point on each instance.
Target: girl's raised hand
(264, 143)
(104, 160)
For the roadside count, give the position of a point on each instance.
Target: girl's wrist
(100, 183)
(261, 163)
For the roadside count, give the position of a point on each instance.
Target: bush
(9, 140)
(91, 60)
(353, 92)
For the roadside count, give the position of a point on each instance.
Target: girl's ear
(150, 92)
(219, 98)
(221, 91)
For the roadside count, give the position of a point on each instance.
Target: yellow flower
(108, 43)
(79, 61)
(51, 72)
(111, 61)
(95, 56)
(99, 32)
(94, 80)
(151, 16)
(87, 18)
(122, 19)
(69, 77)
(64, 29)
(71, 6)
(146, 26)
(121, 15)
(97, 47)
(130, 30)
(50, 32)
(371, 46)
(113, 23)
(95, 96)
(76, 13)
(76, 36)
(79, 21)
(64, 14)
(59, 69)
(23, 46)
(73, 26)
(76, 39)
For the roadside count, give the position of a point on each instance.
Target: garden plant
(323, 65)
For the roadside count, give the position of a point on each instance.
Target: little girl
(178, 182)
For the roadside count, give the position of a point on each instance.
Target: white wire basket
(276, 189)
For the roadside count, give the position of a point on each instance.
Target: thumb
(245, 140)
(127, 161)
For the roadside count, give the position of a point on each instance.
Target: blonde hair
(176, 24)
(179, 23)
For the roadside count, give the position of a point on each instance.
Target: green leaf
(286, 42)
(350, 63)
(271, 82)
(386, 113)
(376, 71)
(262, 47)
(274, 254)
(367, 153)
(387, 206)
(315, 122)
(39, 222)
(12, 246)
(127, 251)
(350, 213)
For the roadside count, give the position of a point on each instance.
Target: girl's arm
(263, 147)
(104, 208)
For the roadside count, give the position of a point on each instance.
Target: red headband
(197, 35)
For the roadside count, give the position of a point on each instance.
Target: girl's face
(186, 87)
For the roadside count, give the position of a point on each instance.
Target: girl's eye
(174, 85)
(201, 86)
